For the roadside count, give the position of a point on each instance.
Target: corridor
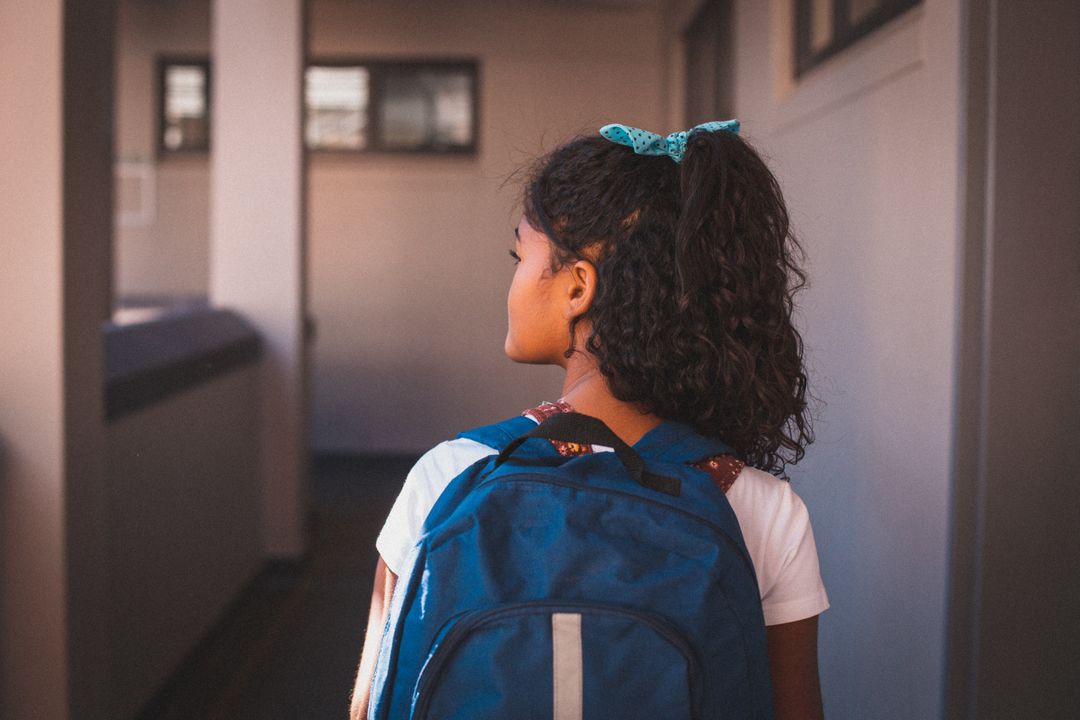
(287, 649)
(245, 244)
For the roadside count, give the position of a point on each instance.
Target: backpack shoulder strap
(499, 435)
(676, 442)
(669, 442)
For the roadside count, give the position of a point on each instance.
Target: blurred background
(253, 263)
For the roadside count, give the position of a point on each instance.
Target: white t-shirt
(773, 519)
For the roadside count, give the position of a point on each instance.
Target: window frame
(844, 33)
(378, 68)
(714, 21)
(163, 63)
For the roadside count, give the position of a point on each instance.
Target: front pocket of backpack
(558, 661)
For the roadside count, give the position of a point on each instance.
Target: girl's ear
(581, 288)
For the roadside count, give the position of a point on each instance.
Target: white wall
(166, 252)
(866, 148)
(55, 171)
(257, 249)
(33, 585)
(171, 252)
(409, 268)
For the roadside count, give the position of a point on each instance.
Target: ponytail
(735, 246)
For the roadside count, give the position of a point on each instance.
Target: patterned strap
(542, 412)
(723, 469)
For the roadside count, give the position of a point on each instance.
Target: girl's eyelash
(517, 258)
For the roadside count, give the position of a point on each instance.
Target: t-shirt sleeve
(777, 531)
(422, 487)
(796, 591)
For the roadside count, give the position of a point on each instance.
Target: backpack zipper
(431, 670)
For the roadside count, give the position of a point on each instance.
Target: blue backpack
(603, 585)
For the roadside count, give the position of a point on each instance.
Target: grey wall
(1013, 631)
(183, 526)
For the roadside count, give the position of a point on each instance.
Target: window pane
(453, 109)
(186, 125)
(426, 109)
(336, 100)
(821, 23)
(825, 27)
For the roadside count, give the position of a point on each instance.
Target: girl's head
(688, 309)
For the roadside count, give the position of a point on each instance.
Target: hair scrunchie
(674, 145)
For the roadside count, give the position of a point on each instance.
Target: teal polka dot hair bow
(674, 145)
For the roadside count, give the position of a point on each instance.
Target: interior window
(185, 106)
(391, 106)
(825, 27)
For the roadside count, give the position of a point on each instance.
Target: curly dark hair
(697, 272)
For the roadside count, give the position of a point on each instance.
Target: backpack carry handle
(575, 427)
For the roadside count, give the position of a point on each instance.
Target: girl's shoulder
(761, 488)
(769, 510)
(453, 456)
(758, 497)
(776, 528)
(761, 497)
(446, 460)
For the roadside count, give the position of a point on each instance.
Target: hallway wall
(407, 263)
(169, 253)
(866, 148)
(33, 610)
(1013, 635)
(408, 254)
(55, 167)
(183, 527)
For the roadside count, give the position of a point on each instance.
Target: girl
(659, 274)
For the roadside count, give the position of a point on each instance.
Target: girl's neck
(587, 391)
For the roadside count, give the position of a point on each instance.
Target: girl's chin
(525, 358)
(514, 352)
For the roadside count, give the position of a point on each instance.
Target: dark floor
(288, 648)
